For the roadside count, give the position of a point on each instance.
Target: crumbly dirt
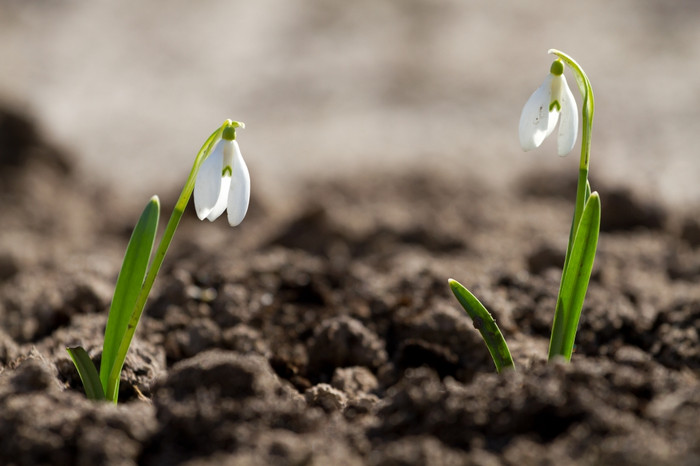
(328, 335)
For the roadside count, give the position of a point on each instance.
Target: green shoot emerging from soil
(220, 181)
(550, 104)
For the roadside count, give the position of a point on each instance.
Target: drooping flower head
(223, 181)
(552, 102)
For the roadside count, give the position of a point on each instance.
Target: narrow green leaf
(575, 281)
(129, 282)
(486, 325)
(88, 373)
(580, 204)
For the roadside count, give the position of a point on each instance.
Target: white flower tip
(201, 212)
(235, 221)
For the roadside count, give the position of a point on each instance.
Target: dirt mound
(329, 336)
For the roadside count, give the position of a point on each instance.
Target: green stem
(158, 261)
(582, 192)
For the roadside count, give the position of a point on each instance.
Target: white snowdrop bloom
(223, 182)
(552, 102)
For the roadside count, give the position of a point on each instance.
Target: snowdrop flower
(223, 182)
(551, 102)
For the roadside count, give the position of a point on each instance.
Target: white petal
(220, 205)
(207, 186)
(535, 124)
(239, 194)
(568, 126)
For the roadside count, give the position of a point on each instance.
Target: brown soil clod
(336, 340)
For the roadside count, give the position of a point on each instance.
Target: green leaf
(575, 280)
(582, 195)
(88, 373)
(129, 282)
(486, 325)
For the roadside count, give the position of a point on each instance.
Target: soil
(327, 334)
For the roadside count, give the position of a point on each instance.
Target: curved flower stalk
(225, 176)
(553, 103)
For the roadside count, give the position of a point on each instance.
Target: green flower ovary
(557, 68)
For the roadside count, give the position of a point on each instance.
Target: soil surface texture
(326, 334)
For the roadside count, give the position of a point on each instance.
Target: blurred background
(329, 88)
